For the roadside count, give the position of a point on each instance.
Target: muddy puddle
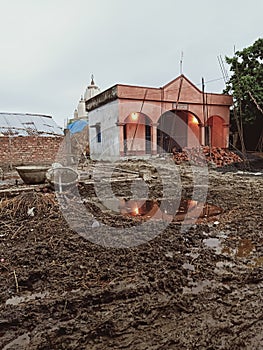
(166, 209)
(20, 342)
(244, 249)
(16, 300)
(197, 287)
(214, 243)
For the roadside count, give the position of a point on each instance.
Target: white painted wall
(81, 109)
(108, 148)
(92, 90)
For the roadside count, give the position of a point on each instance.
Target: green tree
(246, 86)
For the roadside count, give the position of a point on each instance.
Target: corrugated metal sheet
(18, 124)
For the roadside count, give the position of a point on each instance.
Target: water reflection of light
(195, 120)
(136, 211)
(168, 209)
(192, 204)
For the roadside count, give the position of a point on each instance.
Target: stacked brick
(216, 156)
(24, 150)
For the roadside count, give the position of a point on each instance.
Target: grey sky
(49, 48)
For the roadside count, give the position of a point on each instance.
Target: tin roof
(19, 124)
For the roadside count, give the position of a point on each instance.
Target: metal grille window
(98, 133)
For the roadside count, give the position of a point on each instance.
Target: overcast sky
(50, 48)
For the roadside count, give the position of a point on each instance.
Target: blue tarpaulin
(77, 126)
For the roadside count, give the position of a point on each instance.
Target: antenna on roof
(223, 69)
(181, 63)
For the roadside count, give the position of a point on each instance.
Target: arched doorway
(216, 131)
(176, 130)
(137, 134)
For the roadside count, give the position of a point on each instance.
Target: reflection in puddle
(193, 254)
(25, 298)
(214, 243)
(243, 249)
(197, 287)
(224, 264)
(20, 342)
(163, 209)
(188, 266)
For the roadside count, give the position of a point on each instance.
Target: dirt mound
(28, 204)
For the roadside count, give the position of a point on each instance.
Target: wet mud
(200, 288)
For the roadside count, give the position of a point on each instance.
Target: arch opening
(137, 134)
(215, 129)
(176, 130)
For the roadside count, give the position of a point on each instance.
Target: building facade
(129, 120)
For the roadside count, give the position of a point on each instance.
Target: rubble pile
(201, 155)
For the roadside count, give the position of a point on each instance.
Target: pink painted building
(134, 120)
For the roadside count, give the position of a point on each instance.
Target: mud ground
(201, 289)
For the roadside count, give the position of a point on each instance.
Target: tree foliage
(246, 81)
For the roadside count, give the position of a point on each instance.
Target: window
(98, 133)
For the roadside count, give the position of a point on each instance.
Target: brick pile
(216, 156)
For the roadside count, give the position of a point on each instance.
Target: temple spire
(92, 80)
(91, 90)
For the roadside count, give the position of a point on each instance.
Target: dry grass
(20, 206)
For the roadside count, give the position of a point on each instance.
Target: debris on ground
(216, 156)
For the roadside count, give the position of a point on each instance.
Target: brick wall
(23, 150)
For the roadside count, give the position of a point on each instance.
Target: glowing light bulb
(134, 116)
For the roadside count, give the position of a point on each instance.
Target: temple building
(91, 91)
